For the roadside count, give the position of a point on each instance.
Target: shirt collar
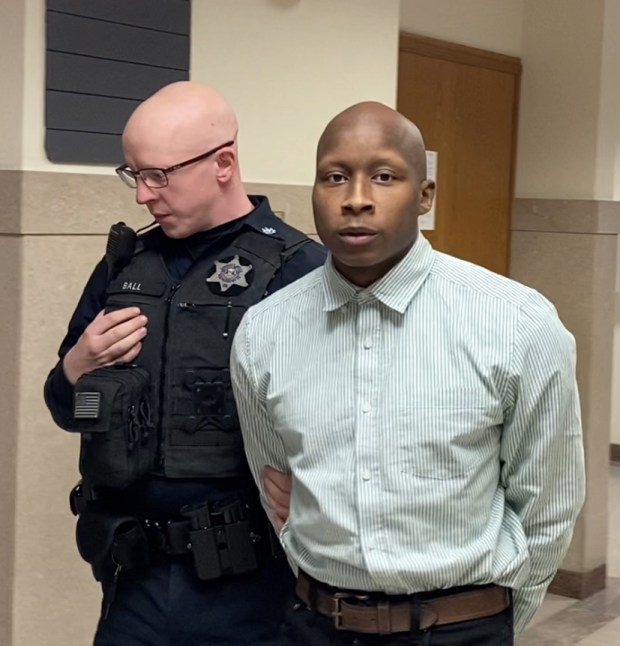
(262, 218)
(395, 290)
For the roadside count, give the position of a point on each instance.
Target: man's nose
(358, 198)
(144, 193)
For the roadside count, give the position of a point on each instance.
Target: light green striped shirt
(430, 422)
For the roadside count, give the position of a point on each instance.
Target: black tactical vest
(191, 324)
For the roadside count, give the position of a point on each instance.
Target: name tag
(128, 286)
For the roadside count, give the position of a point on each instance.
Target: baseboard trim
(614, 452)
(579, 585)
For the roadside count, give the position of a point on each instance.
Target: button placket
(368, 356)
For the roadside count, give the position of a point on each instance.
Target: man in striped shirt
(425, 408)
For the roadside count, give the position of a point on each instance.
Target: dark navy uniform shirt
(157, 495)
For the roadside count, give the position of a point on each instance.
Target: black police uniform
(189, 440)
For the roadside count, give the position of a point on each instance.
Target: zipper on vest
(162, 378)
(227, 323)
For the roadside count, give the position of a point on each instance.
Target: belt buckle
(337, 598)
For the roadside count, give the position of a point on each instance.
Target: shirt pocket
(445, 438)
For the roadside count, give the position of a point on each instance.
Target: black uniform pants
(304, 627)
(169, 605)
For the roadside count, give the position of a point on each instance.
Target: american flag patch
(86, 405)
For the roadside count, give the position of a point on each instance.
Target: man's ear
(225, 165)
(427, 195)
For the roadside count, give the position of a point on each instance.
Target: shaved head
(182, 118)
(369, 189)
(187, 122)
(397, 132)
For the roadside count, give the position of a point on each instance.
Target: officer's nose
(144, 193)
(358, 198)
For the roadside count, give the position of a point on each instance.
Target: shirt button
(366, 407)
(366, 475)
(368, 343)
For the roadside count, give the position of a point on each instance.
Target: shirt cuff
(526, 602)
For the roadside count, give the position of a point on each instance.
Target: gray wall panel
(118, 42)
(73, 73)
(103, 58)
(87, 113)
(166, 15)
(83, 147)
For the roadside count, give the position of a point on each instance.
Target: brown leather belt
(360, 613)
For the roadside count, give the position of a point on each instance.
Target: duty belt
(367, 613)
(219, 538)
(227, 537)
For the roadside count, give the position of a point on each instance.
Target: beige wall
(615, 382)
(608, 168)
(12, 75)
(607, 185)
(560, 89)
(302, 63)
(10, 322)
(487, 24)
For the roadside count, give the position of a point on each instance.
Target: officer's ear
(225, 161)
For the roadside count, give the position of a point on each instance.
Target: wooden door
(465, 101)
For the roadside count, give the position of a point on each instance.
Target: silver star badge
(230, 273)
(268, 230)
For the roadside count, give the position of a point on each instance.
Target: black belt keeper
(416, 612)
(81, 496)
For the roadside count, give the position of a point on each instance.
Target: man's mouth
(357, 235)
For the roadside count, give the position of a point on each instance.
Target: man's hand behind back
(277, 488)
(115, 337)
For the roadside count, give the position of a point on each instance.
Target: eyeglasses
(158, 177)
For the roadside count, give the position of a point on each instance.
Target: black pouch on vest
(111, 411)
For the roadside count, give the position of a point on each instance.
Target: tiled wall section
(47, 565)
(567, 250)
(10, 324)
(41, 203)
